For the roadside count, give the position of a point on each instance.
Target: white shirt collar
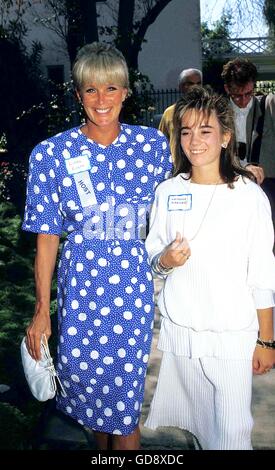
(242, 111)
(240, 118)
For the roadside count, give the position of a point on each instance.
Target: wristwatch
(270, 344)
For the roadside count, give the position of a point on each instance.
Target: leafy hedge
(19, 411)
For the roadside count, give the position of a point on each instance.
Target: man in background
(187, 79)
(254, 118)
(254, 123)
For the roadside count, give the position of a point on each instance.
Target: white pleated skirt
(209, 397)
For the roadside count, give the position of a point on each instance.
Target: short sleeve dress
(100, 197)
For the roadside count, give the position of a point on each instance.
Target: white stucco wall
(173, 44)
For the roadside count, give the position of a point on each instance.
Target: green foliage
(12, 22)
(212, 67)
(220, 30)
(12, 183)
(140, 99)
(3, 143)
(21, 88)
(269, 13)
(62, 110)
(15, 428)
(16, 289)
(17, 248)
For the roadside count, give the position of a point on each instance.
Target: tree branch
(146, 21)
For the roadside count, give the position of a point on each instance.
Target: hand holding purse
(41, 375)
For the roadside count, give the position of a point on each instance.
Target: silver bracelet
(158, 268)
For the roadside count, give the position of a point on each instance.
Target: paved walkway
(263, 410)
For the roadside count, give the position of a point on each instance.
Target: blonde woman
(96, 182)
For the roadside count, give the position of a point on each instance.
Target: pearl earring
(224, 145)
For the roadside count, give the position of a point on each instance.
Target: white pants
(209, 397)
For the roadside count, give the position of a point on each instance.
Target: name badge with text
(78, 164)
(179, 202)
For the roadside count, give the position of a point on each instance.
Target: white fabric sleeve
(261, 261)
(263, 298)
(156, 240)
(43, 206)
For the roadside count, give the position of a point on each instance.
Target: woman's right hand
(45, 259)
(177, 253)
(40, 324)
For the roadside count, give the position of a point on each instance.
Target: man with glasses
(254, 124)
(254, 119)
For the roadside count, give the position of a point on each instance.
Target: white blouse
(231, 270)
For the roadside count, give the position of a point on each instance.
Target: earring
(224, 145)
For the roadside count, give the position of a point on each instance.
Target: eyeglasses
(192, 83)
(238, 97)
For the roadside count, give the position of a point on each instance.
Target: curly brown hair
(239, 72)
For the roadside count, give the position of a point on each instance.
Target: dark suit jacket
(267, 154)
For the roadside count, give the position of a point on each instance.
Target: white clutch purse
(41, 375)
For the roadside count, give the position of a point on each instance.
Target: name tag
(180, 202)
(78, 164)
(85, 189)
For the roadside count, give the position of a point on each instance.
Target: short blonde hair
(100, 63)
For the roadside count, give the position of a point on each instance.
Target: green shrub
(15, 429)
(12, 183)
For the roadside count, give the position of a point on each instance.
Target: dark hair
(205, 101)
(239, 72)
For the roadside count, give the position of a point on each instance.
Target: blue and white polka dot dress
(100, 196)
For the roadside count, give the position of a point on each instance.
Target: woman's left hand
(176, 253)
(263, 360)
